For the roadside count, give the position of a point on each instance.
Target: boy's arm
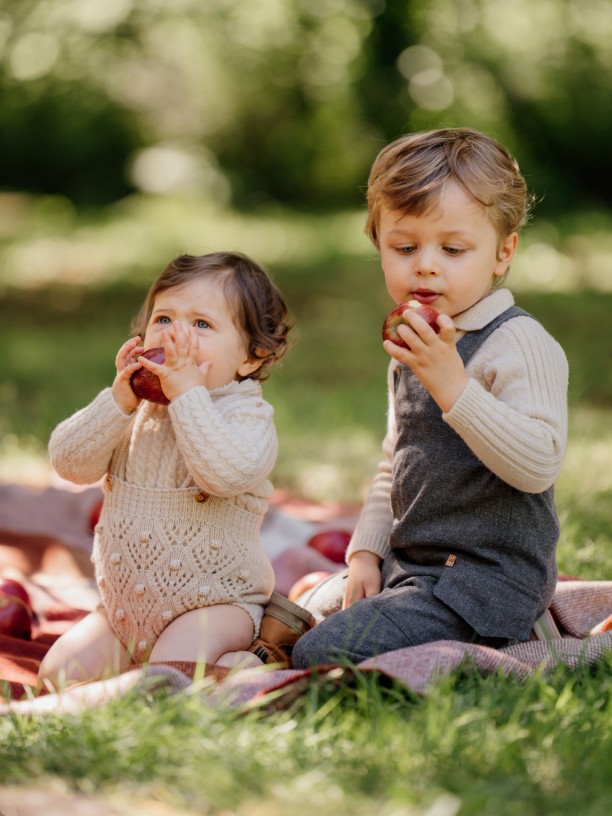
(230, 444)
(370, 541)
(513, 411)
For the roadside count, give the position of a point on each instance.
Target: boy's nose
(427, 264)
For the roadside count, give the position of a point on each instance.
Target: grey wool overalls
(471, 558)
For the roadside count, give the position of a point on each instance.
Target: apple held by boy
(396, 317)
(145, 384)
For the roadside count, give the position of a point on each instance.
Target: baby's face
(203, 305)
(447, 257)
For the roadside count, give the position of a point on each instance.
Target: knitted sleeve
(513, 412)
(374, 526)
(229, 444)
(81, 447)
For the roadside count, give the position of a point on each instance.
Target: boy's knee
(304, 655)
(318, 647)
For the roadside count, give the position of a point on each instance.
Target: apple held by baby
(396, 317)
(147, 385)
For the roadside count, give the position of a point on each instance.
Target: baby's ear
(248, 367)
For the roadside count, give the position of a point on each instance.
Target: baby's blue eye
(202, 324)
(164, 320)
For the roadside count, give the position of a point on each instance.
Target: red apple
(307, 582)
(395, 317)
(15, 610)
(331, 543)
(145, 384)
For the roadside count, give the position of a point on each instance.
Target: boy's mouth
(425, 296)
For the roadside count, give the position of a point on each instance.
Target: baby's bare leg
(89, 650)
(215, 634)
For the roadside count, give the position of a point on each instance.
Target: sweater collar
(244, 387)
(483, 312)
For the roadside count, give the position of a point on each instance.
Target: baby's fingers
(128, 353)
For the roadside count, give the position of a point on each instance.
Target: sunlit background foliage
(133, 130)
(288, 100)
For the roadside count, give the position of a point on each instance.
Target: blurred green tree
(288, 101)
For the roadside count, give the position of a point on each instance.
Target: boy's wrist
(447, 397)
(365, 557)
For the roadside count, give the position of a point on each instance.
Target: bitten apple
(395, 317)
(331, 543)
(16, 612)
(145, 384)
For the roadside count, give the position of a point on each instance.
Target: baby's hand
(364, 577)
(433, 357)
(180, 371)
(126, 364)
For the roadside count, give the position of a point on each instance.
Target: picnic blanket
(53, 562)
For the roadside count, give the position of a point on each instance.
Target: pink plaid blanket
(582, 610)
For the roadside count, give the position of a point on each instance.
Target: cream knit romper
(184, 498)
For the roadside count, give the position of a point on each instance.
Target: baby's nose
(178, 325)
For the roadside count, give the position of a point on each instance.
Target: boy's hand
(364, 577)
(126, 364)
(180, 371)
(433, 357)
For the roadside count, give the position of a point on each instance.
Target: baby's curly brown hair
(259, 308)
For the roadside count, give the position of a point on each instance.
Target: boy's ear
(505, 254)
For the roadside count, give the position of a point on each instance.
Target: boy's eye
(202, 324)
(453, 250)
(163, 319)
(406, 250)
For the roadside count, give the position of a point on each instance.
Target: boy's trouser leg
(399, 617)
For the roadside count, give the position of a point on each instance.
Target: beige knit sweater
(186, 489)
(512, 413)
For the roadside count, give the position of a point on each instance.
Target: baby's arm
(81, 446)
(513, 411)
(229, 444)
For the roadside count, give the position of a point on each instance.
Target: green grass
(474, 745)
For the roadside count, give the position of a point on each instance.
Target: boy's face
(202, 304)
(447, 257)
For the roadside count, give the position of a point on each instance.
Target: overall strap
(472, 340)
